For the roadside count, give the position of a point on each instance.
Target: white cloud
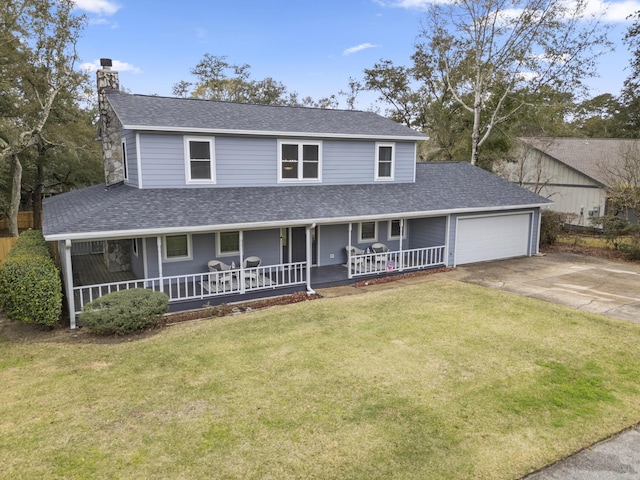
(201, 32)
(101, 7)
(118, 66)
(411, 4)
(612, 11)
(358, 48)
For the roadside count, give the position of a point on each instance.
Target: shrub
(632, 252)
(123, 312)
(30, 286)
(614, 228)
(551, 223)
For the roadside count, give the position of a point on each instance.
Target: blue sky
(312, 47)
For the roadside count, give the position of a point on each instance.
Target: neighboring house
(195, 190)
(574, 173)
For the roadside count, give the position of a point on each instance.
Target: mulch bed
(395, 278)
(235, 308)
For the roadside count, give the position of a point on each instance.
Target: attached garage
(492, 237)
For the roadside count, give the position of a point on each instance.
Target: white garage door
(479, 239)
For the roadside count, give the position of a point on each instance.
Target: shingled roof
(120, 211)
(586, 155)
(142, 112)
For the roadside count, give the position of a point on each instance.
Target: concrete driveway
(589, 284)
(585, 283)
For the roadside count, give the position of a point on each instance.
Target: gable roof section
(586, 155)
(141, 112)
(123, 211)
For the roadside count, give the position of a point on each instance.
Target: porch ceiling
(120, 211)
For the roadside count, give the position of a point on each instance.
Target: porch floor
(90, 270)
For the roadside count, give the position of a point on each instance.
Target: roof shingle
(589, 156)
(439, 188)
(143, 112)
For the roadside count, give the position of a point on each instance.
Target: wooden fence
(25, 221)
(5, 245)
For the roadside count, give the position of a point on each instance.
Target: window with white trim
(299, 161)
(125, 170)
(385, 161)
(394, 230)
(199, 154)
(177, 248)
(368, 232)
(228, 243)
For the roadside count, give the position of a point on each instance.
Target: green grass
(583, 241)
(597, 241)
(439, 380)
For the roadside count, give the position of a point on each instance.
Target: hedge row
(30, 286)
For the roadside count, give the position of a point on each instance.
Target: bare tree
(489, 50)
(526, 168)
(37, 63)
(623, 181)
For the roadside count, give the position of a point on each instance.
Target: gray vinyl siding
(132, 164)
(254, 162)
(332, 240)
(405, 162)
(451, 240)
(162, 160)
(427, 232)
(262, 243)
(152, 256)
(535, 236)
(246, 162)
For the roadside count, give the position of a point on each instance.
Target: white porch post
(309, 256)
(241, 266)
(349, 275)
(68, 284)
(159, 243)
(401, 260)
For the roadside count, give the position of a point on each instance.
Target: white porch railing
(203, 285)
(416, 258)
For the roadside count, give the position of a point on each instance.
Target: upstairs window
(199, 160)
(299, 161)
(385, 160)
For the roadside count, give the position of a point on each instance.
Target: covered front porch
(212, 267)
(210, 288)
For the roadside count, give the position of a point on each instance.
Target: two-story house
(210, 200)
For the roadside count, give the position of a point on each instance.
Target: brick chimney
(109, 126)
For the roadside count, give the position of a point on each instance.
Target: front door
(298, 244)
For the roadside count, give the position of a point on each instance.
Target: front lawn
(438, 380)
